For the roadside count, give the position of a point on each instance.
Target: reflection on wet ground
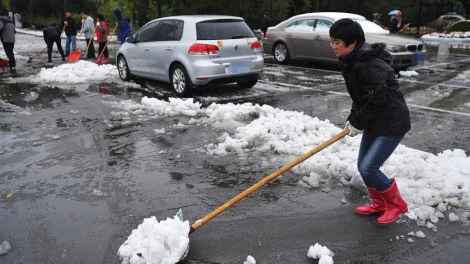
(34, 97)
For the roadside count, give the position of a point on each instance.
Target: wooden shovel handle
(39, 53)
(267, 179)
(109, 38)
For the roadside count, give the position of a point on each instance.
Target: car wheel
(180, 80)
(281, 53)
(248, 84)
(123, 69)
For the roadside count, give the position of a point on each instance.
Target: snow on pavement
(323, 254)
(429, 183)
(164, 242)
(78, 72)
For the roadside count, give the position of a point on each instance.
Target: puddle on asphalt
(31, 96)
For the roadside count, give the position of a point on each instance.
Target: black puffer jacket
(378, 104)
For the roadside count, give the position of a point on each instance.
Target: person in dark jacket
(70, 32)
(51, 36)
(124, 25)
(378, 109)
(396, 24)
(7, 35)
(102, 38)
(267, 22)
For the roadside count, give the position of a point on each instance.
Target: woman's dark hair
(348, 31)
(100, 17)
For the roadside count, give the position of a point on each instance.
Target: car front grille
(414, 48)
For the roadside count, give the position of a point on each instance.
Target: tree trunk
(159, 8)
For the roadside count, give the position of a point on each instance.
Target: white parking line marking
(442, 84)
(438, 65)
(346, 94)
(302, 68)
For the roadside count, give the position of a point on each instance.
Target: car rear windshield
(223, 29)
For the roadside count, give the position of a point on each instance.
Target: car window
(148, 33)
(167, 30)
(302, 25)
(223, 29)
(179, 31)
(323, 25)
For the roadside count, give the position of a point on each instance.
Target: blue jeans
(68, 40)
(373, 152)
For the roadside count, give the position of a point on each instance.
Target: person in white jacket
(88, 31)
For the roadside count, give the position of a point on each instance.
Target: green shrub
(40, 22)
(460, 26)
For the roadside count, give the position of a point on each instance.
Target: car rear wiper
(238, 37)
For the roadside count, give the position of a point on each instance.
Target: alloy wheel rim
(122, 68)
(178, 80)
(280, 52)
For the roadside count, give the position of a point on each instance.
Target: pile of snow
(153, 242)
(250, 260)
(425, 180)
(78, 72)
(324, 255)
(464, 76)
(408, 73)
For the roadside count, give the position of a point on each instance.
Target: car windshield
(223, 29)
(371, 27)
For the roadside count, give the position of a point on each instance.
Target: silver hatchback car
(307, 37)
(189, 51)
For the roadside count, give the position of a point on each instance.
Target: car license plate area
(418, 58)
(241, 66)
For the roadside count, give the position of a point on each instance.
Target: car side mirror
(130, 39)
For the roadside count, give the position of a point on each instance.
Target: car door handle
(147, 49)
(169, 49)
(318, 37)
(289, 35)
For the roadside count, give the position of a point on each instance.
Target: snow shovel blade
(74, 56)
(37, 54)
(179, 214)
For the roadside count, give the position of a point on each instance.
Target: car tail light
(203, 49)
(266, 36)
(255, 46)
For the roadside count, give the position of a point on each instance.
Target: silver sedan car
(306, 37)
(189, 51)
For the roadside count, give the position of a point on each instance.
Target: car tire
(248, 84)
(281, 53)
(123, 69)
(180, 80)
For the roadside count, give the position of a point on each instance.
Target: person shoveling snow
(378, 109)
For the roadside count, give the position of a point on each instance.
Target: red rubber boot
(378, 204)
(395, 205)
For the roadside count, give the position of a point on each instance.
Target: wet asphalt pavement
(81, 186)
